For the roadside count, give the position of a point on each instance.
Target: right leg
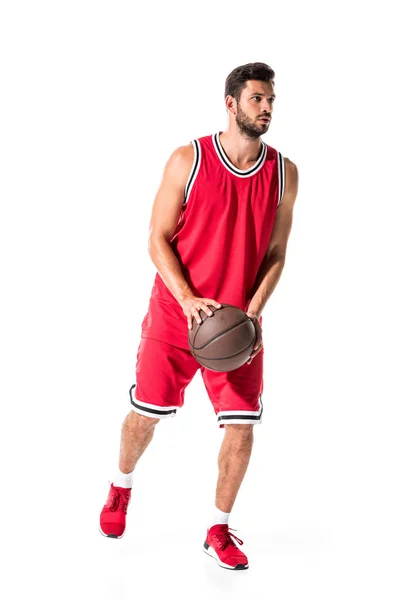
(137, 433)
(162, 373)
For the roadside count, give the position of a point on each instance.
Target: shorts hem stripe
(241, 416)
(153, 413)
(146, 408)
(239, 421)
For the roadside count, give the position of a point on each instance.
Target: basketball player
(218, 234)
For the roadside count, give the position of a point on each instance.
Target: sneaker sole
(111, 535)
(211, 552)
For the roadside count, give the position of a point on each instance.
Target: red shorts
(163, 372)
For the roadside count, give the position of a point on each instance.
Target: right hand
(191, 306)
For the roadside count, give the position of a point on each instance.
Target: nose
(267, 106)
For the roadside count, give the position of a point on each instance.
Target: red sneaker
(220, 545)
(113, 515)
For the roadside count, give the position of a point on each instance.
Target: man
(218, 234)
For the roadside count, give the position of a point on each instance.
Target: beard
(247, 128)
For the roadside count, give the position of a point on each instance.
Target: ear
(231, 104)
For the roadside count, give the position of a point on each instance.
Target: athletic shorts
(163, 372)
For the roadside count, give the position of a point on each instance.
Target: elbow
(154, 242)
(276, 256)
(151, 242)
(151, 248)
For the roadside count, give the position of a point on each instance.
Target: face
(256, 101)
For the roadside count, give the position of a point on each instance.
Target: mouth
(265, 119)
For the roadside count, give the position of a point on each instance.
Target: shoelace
(118, 500)
(224, 538)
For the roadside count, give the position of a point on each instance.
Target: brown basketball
(225, 341)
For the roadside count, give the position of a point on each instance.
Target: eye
(255, 97)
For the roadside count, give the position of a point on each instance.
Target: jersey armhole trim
(194, 171)
(281, 177)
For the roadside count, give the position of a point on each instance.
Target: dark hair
(236, 80)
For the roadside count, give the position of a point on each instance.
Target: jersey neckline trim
(227, 163)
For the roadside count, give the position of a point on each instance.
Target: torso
(222, 234)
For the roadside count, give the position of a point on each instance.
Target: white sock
(219, 517)
(123, 479)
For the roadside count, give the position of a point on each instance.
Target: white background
(95, 96)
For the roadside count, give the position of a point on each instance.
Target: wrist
(183, 297)
(253, 313)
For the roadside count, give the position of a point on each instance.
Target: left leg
(233, 460)
(236, 398)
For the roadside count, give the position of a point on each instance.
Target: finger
(215, 303)
(259, 339)
(190, 322)
(254, 354)
(207, 310)
(198, 317)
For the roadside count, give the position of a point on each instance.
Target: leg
(137, 433)
(236, 398)
(162, 373)
(233, 460)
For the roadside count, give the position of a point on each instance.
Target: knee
(241, 433)
(142, 422)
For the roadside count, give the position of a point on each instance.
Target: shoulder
(290, 167)
(182, 156)
(291, 171)
(291, 182)
(180, 163)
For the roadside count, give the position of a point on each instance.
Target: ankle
(123, 479)
(219, 517)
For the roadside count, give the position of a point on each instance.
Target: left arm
(272, 266)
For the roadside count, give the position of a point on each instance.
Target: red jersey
(222, 234)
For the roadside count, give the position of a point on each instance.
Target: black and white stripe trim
(194, 171)
(246, 417)
(227, 163)
(281, 177)
(150, 410)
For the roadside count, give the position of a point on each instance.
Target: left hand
(259, 343)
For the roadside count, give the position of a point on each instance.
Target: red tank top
(222, 234)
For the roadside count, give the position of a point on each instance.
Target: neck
(241, 151)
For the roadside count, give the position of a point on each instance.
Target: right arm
(164, 218)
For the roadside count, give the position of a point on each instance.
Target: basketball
(223, 341)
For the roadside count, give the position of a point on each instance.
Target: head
(249, 95)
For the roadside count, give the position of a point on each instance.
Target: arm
(274, 260)
(164, 218)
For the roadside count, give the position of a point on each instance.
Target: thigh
(236, 395)
(163, 372)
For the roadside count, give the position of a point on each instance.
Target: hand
(191, 306)
(258, 343)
